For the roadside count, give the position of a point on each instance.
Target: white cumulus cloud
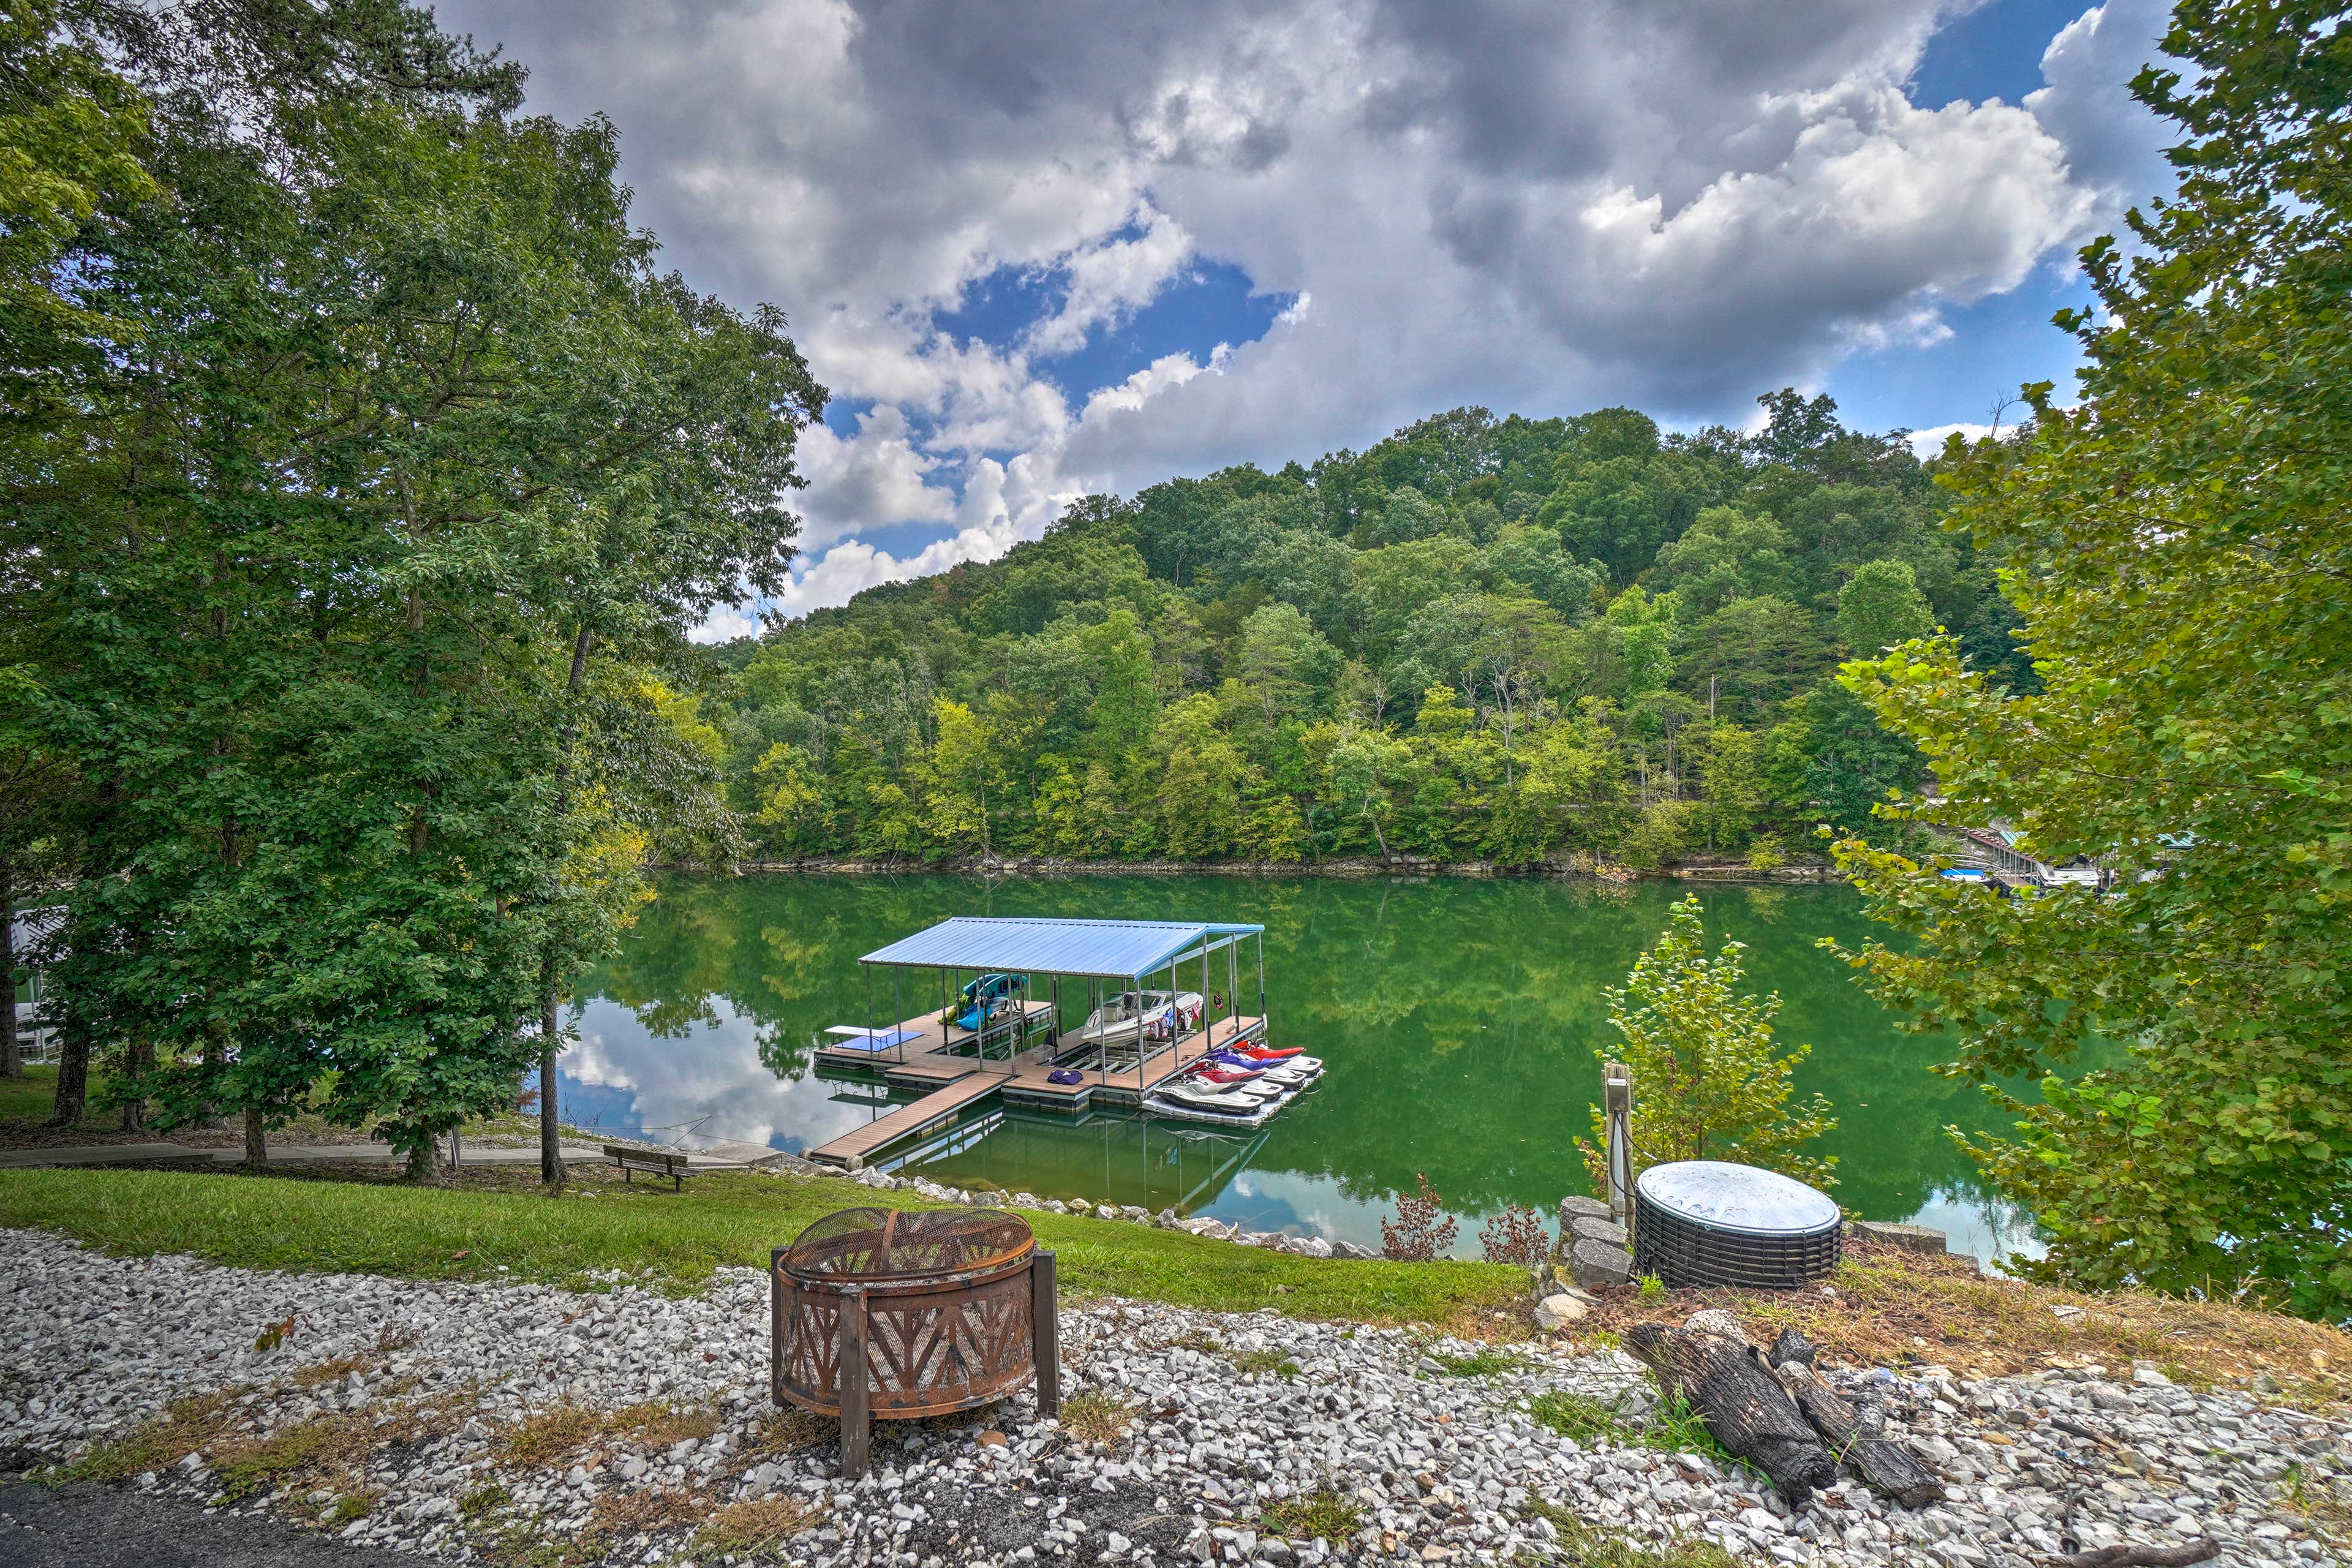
(1531, 206)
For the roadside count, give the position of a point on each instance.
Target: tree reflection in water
(1460, 1018)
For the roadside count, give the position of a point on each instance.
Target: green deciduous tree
(401, 470)
(2176, 547)
(1292, 667)
(1881, 606)
(1707, 1082)
(1725, 554)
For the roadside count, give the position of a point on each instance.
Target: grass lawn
(26, 1103)
(32, 1099)
(468, 1232)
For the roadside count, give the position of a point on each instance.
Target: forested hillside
(1522, 640)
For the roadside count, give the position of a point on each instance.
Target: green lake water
(1459, 1019)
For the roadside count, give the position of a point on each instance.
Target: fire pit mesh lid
(889, 1244)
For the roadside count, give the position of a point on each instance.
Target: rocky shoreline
(530, 1424)
(1583, 868)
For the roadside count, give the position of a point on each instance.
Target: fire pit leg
(856, 1425)
(1046, 1327)
(776, 1324)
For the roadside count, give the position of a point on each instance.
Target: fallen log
(1724, 1380)
(2143, 1556)
(1886, 1467)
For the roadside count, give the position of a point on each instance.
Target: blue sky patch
(899, 541)
(1210, 302)
(1994, 51)
(1996, 343)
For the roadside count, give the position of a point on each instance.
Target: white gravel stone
(1442, 1468)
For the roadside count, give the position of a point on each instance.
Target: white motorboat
(1123, 1017)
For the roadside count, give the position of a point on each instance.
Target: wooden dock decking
(958, 1082)
(851, 1149)
(928, 1044)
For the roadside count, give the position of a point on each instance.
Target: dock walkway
(957, 1082)
(851, 1150)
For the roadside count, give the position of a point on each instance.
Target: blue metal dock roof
(1120, 950)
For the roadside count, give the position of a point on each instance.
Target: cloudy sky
(1040, 248)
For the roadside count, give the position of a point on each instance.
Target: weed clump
(562, 1430)
(1094, 1416)
(326, 1372)
(1417, 1234)
(1324, 1513)
(790, 1431)
(1479, 1363)
(1576, 1415)
(1516, 1236)
(1588, 1546)
(756, 1525)
(1674, 1428)
(482, 1500)
(326, 1443)
(627, 1513)
(1250, 1363)
(186, 1426)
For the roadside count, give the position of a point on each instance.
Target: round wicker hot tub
(940, 1312)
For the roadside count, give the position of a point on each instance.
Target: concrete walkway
(724, 1157)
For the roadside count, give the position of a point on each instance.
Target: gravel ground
(106, 1527)
(1435, 1463)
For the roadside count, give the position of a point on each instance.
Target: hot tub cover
(1741, 1199)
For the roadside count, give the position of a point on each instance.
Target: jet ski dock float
(1045, 1014)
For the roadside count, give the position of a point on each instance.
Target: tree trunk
(139, 1062)
(424, 1165)
(1723, 1379)
(12, 1058)
(215, 1057)
(73, 1075)
(1889, 1470)
(256, 1138)
(551, 1127)
(551, 1019)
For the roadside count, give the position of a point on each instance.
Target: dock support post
(856, 1423)
(1265, 1024)
(1045, 1329)
(1617, 1108)
(1234, 988)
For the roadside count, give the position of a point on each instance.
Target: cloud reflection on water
(707, 1081)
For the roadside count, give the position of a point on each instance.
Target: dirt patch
(1889, 1307)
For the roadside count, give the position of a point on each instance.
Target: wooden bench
(654, 1161)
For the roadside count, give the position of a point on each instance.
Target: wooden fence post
(1617, 1105)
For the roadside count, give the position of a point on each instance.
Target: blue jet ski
(986, 997)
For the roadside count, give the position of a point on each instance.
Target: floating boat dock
(994, 1042)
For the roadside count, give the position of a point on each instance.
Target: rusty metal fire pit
(877, 1313)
